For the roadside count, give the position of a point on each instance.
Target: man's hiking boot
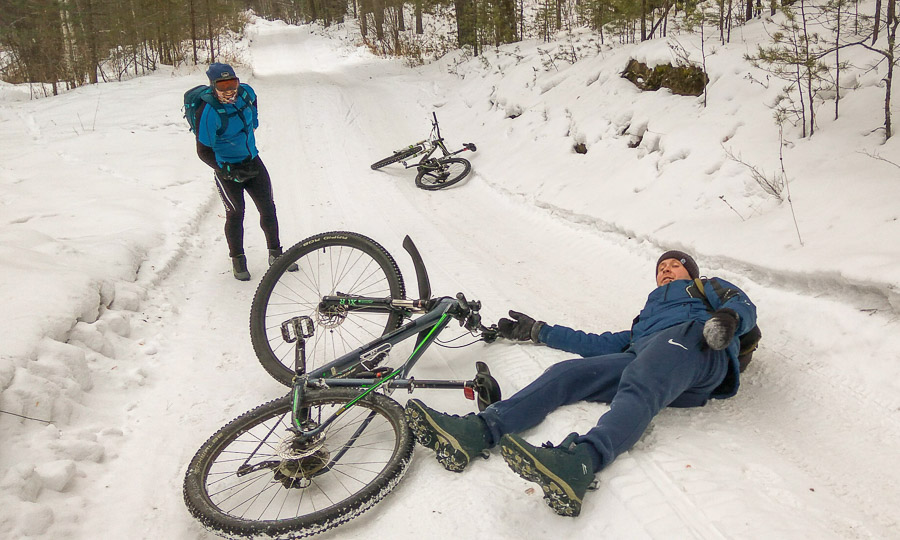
(239, 268)
(455, 439)
(564, 472)
(274, 254)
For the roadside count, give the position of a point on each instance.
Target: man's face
(670, 270)
(226, 91)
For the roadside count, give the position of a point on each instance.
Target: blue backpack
(198, 97)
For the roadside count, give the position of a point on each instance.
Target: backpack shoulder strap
(698, 290)
(217, 106)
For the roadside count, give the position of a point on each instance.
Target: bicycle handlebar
(470, 318)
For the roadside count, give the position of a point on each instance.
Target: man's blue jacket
(668, 305)
(238, 142)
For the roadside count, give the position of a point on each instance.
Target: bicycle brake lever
(490, 333)
(473, 321)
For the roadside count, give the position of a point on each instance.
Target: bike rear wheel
(327, 264)
(398, 156)
(442, 172)
(253, 479)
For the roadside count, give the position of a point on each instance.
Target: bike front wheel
(327, 264)
(398, 156)
(252, 478)
(441, 173)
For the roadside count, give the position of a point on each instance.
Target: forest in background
(62, 44)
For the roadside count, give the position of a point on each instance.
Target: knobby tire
(398, 156)
(442, 173)
(329, 263)
(293, 497)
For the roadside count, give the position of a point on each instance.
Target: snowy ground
(123, 327)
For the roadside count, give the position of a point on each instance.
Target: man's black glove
(520, 328)
(720, 328)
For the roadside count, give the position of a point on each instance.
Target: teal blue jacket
(237, 143)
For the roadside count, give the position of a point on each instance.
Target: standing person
(681, 351)
(226, 142)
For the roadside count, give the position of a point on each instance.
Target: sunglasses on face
(230, 85)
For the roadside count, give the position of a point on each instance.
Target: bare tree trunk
(877, 21)
(722, 21)
(728, 21)
(643, 20)
(419, 28)
(809, 70)
(364, 18)
(889, 79)
(837, 63)
(193, 16)
(378, 14)
(209, 31)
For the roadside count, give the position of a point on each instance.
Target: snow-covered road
(806, 450)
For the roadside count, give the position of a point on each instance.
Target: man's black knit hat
(686, 261)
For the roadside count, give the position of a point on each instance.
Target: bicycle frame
(437, 315)
(428, 327)
(433, 143)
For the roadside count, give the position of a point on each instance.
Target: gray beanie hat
(686, 260)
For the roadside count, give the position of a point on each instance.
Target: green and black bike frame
(340, 372)
(428, 327)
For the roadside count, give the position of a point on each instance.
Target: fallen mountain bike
(337, 443)
(433, 172)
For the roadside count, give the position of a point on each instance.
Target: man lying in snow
(681, 351)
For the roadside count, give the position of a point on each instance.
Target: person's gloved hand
(720, 328)
(520, 328)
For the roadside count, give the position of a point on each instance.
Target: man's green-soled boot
(564, 472)
(455, 439)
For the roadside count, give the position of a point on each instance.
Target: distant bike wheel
(327, 264)
(442, 173)
(253, 479)
(398, 156)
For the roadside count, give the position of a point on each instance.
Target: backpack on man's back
(749, 341)
(198, 97)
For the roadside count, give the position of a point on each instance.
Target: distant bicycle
(433, 172)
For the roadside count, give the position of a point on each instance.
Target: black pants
(260, 190)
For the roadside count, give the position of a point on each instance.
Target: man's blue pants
(673, 367)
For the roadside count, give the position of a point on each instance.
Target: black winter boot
(274, 254)
(564, 472)
(455, 439)
(239, 268)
